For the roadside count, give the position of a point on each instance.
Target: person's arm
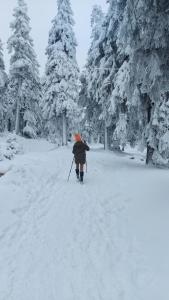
(86, 146)
(74, 149)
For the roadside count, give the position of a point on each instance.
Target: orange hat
(77, 137)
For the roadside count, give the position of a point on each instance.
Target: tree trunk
(91, 139)
(64, 129)
(150, 150)
(8, 125)
(98, 139)
(106, 146)
(109, 138)
(149, 156)
(17, 121)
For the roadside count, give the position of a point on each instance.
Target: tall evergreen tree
(62, 75)
(104, 62)
(89, 93)
(3, 87)
(113, 108)
(145, 33)
(24, 82)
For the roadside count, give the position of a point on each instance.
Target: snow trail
(63, 240)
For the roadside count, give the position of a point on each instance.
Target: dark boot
(77, 173)
(81, 176)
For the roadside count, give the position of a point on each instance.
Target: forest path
(62, 240)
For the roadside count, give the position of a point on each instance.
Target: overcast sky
(41, 13)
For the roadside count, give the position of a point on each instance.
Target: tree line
(30, 105)
(125, 83)
(122, 95)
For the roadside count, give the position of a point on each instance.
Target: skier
(79, 150)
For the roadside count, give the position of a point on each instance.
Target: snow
(105, 239)
(9, 146)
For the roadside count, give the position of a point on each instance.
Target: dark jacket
(79, 151)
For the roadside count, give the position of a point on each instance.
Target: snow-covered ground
(104, 240)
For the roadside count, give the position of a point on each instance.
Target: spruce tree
(145, 35)
(104, 73)
(89, 93)
(3, 87)
(24, 83)
(62, 75)
(113, 107)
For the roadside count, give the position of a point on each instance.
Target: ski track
(72, 241)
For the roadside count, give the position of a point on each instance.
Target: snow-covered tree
(24, 83)
(89, 93)
(106, 72)
(3, 87)
(113, 103)
(89, 124)
(62, 75)
(145, 34)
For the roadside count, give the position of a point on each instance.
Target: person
(79, 150)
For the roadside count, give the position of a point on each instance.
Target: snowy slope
(104, 240)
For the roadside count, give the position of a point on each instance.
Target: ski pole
(71, 169)
(86, 166)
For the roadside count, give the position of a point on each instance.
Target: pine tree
(145, 35)
(24, 83)
(62, 75)
(3, 87)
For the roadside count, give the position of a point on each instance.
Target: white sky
(41, 13)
